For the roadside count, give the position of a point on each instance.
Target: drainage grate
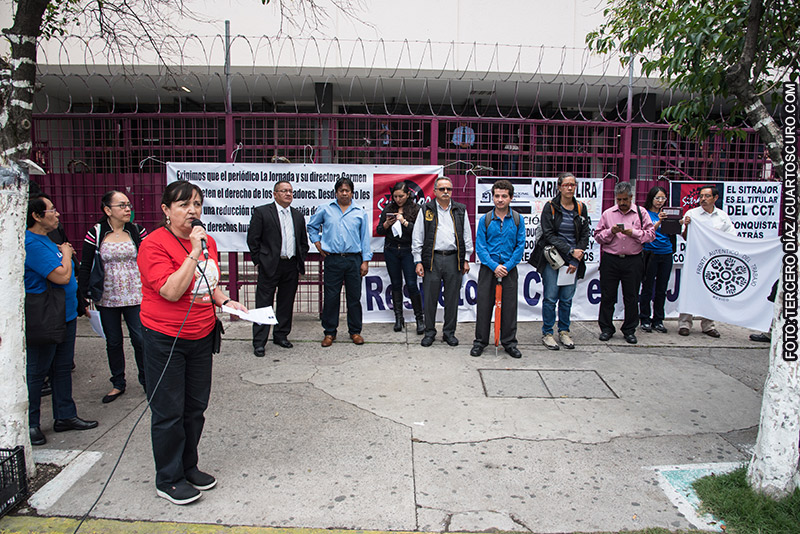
(545, 384)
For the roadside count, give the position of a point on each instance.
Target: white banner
(232, 190)
(531, 194)
(376, 296)
(728, 278)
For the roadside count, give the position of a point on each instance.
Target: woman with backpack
(564, 222)
(109, 276)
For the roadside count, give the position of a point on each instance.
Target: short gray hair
(623, 188)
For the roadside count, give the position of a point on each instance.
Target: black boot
(397, 303)
(416, 303)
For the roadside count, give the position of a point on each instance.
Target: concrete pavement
(394, 436)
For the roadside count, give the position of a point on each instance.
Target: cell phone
(391, 215)
(621, 226)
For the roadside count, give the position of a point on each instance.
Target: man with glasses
(621, 232)
(441, 246)
(278, 246)
(705, 213)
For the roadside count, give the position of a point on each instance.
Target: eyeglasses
(122, 205)
(51, 211)
(660, 198)
(283, 190)
(706, 196)
(444, 189)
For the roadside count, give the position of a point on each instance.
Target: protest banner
(530, 196)
(728, 278)
(232, 190)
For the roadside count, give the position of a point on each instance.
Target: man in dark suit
(278, 245)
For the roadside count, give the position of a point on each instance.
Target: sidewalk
(394, 436)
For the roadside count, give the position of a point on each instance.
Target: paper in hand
(258, 315)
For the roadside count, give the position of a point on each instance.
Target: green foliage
(59, 15)
(690, 44)
(729, 498)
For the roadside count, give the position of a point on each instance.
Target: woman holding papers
(180, 289)
(565, 225)
(397, 224)
(657, 265)
(110, 277)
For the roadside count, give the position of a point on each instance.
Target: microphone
(198, 222)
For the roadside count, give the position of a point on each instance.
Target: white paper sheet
(94, 320)
(565, 278)
(257, 315)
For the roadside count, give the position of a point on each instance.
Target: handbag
(553, 257)
(216, 338)
(45, 316)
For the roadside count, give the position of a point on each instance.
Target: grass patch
(729, 498)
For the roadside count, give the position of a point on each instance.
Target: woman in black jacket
(397, 224)
(116, 289)
(565, 225)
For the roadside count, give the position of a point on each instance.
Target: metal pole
(627, 134)
(228, 101)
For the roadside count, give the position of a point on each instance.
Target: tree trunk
(17, 78)
(13, 391)
(773, 469)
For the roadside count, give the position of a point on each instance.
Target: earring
(168, 221)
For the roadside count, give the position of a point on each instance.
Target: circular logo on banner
(726, 275)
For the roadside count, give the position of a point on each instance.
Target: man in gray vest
(441, 245)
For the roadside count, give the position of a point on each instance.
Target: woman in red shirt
(180, 289)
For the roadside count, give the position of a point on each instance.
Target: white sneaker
(550, 342)
(563, 336)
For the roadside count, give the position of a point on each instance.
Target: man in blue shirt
(463, 136)
(340, 231)
(499, 245)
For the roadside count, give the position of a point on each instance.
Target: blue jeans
(400, 264)
(112, 328)
(552, 294)
(341, 270)
(40, 360)
(658, 268)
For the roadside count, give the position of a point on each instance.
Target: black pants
(508, 312)
(178, 402)
(445, 269)
(613, 271)
(283, 282)
(657, 270)
(341, 270)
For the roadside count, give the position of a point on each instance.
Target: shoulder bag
(45, 316)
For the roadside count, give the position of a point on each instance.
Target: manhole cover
(545, 383)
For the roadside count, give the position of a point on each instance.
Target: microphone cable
(155, 390)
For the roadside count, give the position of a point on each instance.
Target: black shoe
(427, 341)
(761, 337)
(420, 327)
(37, 436)
(112, 397)
(75, 423)
(631, 338)
(605, 336)
(659, 327)
(476, 350)
(513, 352)
(180, 493)
(646, 327)
(259, 352)
(47, 389)
(450, 340)
(399, 323)
(285, 343)
(200, 480)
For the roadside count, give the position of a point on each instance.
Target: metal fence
(87, 155)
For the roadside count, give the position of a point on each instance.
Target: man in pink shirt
(621, 232)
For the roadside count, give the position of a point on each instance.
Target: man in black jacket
(441, 245)
(278, 245)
